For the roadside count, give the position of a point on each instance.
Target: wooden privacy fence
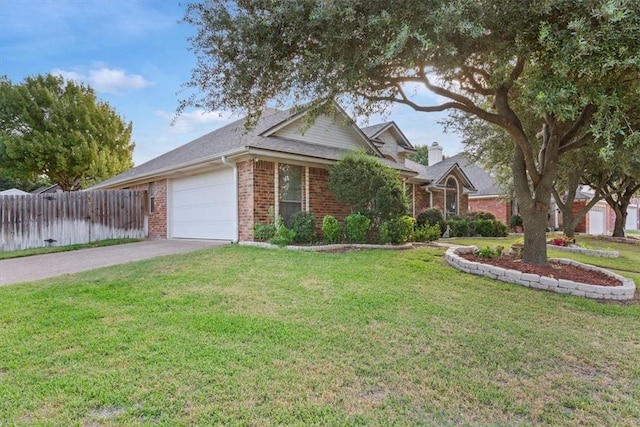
(59, 219)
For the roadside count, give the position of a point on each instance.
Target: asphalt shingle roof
(233, 138)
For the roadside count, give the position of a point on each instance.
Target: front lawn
(249, 336)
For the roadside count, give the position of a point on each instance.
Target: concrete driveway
(28, 269)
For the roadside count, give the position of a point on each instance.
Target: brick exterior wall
(496, 205)
(157, 218)
(245, 200)
(321, 199)
(577, 206)
(263, 190)
(421, 199)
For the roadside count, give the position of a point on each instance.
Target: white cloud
(104, 79)
(192, 121)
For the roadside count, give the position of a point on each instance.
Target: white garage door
(204, 206)
(632, 218)
(596, 221)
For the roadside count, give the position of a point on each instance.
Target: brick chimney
(435, 154)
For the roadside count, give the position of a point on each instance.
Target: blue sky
(135, 55)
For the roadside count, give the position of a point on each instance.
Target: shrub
(459, 228)
(500, 229)
(426, 233)
(515, 221)
(397, 230)
(432, 216)
(368, 186)
(357, 226)
(331, 229)
(304, 225)
(481, 215)
(264, 232)
(484, 227)
(490, 253)
(283, 235)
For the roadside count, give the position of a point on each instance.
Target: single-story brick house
(221, 184)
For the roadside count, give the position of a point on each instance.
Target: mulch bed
(554, 270)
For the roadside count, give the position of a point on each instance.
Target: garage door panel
(632, 218)
(596, 221)
(204, 206)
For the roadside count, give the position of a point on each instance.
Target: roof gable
(388, 132)
(336, 130)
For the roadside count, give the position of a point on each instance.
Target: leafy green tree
(59, 129)
(368, 186)
(567, 61)
(421, 155)
(7, 181)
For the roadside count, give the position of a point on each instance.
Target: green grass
(249, 336)
(52, 249)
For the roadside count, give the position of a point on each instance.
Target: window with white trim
(152, 197)
(290, 191)
(451, 198)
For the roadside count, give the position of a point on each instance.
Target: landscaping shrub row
(358, 228)
(478, 223)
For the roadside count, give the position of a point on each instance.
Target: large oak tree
(59, 129)
(568, 60)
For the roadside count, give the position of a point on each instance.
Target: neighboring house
(55, 188)
(13, 192)
(601, 218)
(223, 183)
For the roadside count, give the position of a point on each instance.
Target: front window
(290, 184)
(152, 197)
(451, 201)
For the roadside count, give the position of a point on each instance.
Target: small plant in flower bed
(490, 253)
(426, 233)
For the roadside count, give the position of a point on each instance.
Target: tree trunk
(621, 221)
(534, 209)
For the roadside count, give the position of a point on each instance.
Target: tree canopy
(58, 129)
(567, 61)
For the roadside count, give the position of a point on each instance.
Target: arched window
(451, 197)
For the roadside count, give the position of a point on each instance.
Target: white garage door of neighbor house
(204, 206)
(596, 221)
(632, 218)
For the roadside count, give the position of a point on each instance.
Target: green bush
(264, 232)
(357, 227)
(490, 253)
(515, 221)
(368, 186)
(482, 227)
(481, 215)
(331, 229)
(283, 235)
(500, 229)
(304, 225)
(432, 216)
(397, 230)
(459, 228)
(426, 233)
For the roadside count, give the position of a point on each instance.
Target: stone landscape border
(618, 293)
(328, 248)
(585, 251)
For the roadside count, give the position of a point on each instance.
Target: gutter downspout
(234, 166)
